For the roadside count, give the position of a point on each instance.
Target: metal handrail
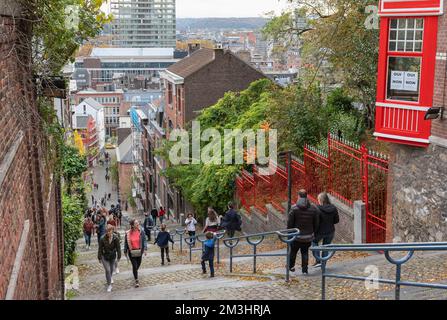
(173, 233)
(410, 248)
(190, 241)
(286, 236)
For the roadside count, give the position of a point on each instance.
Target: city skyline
(226, 8)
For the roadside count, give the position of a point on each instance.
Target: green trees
(73, 165)
(336, 46)
(213, 185)
(298, 113)
(73, 208)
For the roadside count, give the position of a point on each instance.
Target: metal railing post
(398, 278)
(288, 263)
(231, 260)
(181, 242)
(323, 280)
(218, 250)
(254, 259)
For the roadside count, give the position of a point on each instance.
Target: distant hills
(184, 24)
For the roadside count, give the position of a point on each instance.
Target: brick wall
(439, 127)
(205, 87)
(31, 246)
(125, 173)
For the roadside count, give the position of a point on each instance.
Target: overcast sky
(227, 8)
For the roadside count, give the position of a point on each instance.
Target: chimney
(218, 51)
(193, 47)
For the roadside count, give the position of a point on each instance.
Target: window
(85, 109)
(403, 78)
(406, 35)
(170, 93)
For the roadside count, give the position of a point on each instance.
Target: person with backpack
(304, 217)
(162, 240)
(328, 217)
(101, 224)
(232, 221)
(208, 253)
(135, 246)
(190, 223)
(154, 214)
(109, 251)
(148, 224)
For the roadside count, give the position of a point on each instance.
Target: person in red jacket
(161, 214)
(88, 229)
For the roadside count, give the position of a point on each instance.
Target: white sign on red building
(410, 7)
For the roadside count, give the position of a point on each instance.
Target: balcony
(403, 124)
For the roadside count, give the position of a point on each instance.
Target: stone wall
(419, 193)
(417, 204)
(31, 238)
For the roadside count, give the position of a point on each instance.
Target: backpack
(238, 222)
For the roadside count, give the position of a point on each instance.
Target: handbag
(135, 253)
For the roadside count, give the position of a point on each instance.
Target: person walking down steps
(135, 246)
(109, 251)
(162, 240)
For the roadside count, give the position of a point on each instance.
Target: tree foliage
(213, 185)
(58, 31)
(297, 112)
(336, 46)
(73, 164)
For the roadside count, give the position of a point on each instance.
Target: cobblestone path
(183, 279)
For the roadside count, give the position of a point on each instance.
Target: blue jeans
(211, 263)
(327, 239)
(88, 238)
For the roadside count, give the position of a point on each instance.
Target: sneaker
(212, 276)
(137, 284)
(316, 265)
(292, 269)
(111, 281)
(162, 263)
(305, 272)
(169, 260)
(109, 288)
(117, 270)
(203, 271)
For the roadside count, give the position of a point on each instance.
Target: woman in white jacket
(212, 222)
(191, 227)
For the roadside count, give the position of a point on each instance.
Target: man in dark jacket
(328, 215)
(154, 214)
(148, 225)
(231, 221)
(303, 216)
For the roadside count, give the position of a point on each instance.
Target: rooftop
(93, 103)
(193, 63)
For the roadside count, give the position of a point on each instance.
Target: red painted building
(406, 75)
(411, 97)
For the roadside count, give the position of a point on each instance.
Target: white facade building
(96, 110)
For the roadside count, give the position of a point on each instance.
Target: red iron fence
(347, 171)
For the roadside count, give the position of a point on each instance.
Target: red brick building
(411, 98)
(200, 80)
(31, 235)
(190, 85)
